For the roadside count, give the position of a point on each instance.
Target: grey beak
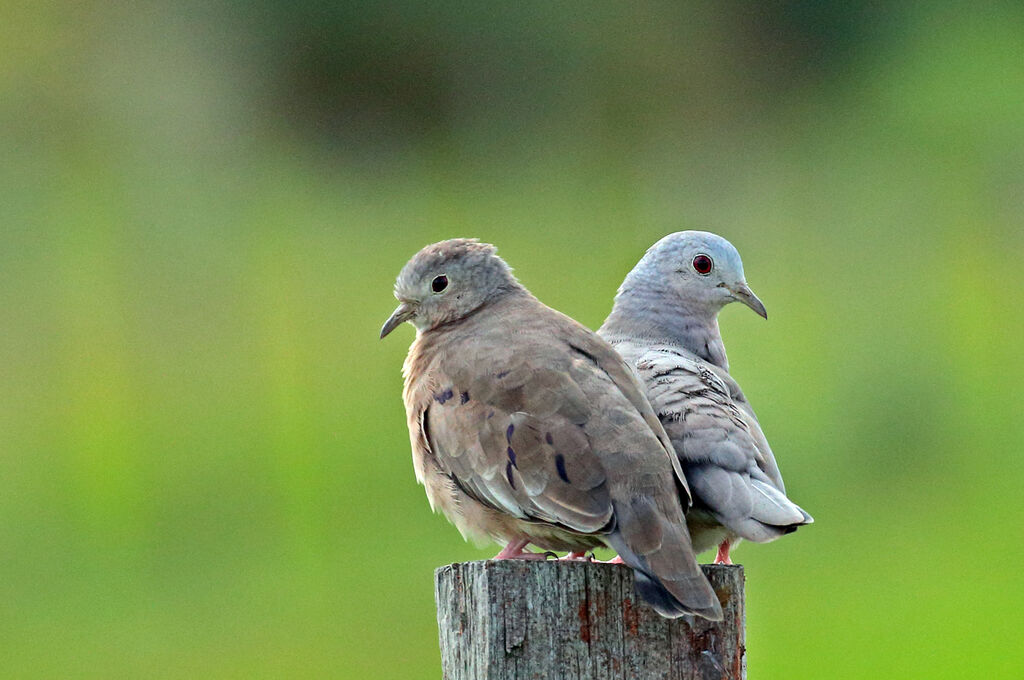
(403, 313)
(747, 297)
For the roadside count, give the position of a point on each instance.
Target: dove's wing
(720, 445)
(765, 458)
(540, 429)
(515, 440)
(603, 356)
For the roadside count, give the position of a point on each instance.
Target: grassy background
(204, 468)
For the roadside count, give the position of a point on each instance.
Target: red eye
(703, 265)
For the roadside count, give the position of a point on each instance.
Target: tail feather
(772, 515)
(667, 575)
(660, 599)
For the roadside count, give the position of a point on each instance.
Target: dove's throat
(661, 320)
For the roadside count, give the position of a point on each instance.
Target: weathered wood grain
(519, 620)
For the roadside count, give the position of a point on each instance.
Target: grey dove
(527, 428)
(664, 323)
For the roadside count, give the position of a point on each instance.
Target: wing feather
(725, 456)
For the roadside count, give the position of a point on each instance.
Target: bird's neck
(662, 317)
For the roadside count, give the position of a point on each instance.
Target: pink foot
(614, 560)
(723, 553)
(576, 556)
(514, 551)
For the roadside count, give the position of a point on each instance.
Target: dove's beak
(747, 297)
(403, 313)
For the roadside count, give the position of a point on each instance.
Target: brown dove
(665, 324)
(527, 428)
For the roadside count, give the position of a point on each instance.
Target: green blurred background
(204, 466)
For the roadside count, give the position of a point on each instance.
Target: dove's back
(735, 482)
(526, 424)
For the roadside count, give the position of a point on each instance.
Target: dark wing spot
(442, 397)
(502, 374)
(508, 473)
(587, 355)
(706, 376)
(548, 439)
(560, 466)
(464, 397)
(508, 433)
(512, 456)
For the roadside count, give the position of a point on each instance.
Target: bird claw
(515, 551)
(577, 556)
(723, 553)
(526, 555)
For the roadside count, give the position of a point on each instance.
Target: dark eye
(439, 284)
(703, 265)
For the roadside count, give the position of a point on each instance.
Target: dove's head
(447, 281)
(702, 269)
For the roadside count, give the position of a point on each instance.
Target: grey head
(675, 292)
(447, 281)
(702, 270)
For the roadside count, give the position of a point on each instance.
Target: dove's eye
(439, 283)
(703, 265)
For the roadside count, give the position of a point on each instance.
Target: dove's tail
(665, 567)
(772, 515)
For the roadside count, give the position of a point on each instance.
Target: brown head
(447, 281)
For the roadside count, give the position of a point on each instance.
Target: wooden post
(518, 620)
